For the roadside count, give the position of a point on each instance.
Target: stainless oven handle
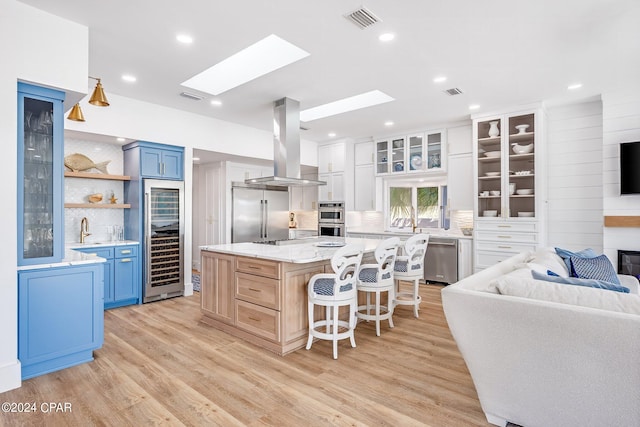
(266, 218)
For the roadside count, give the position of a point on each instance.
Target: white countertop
(78, 245)
(455, 234)
(71, 257)
(306, 251)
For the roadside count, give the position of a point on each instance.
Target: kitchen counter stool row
(350, 276)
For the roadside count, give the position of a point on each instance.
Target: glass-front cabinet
(506, 148)
(415, 153)
(40, 186)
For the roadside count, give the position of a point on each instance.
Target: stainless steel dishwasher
(441, 260)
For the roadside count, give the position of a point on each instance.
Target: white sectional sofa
(544, 358)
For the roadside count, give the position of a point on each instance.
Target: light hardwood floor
(160, 366)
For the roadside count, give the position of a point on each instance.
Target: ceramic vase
(493, 130)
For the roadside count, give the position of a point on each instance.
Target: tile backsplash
(77, 190)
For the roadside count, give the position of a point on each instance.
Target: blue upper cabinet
(156, 160)
(40, 185)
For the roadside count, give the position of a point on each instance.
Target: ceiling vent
(453, 91)
(362, 17)
(192, 96)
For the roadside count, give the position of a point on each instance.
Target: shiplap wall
(621, 120)
(574, 165)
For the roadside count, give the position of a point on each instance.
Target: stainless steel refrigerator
(163, 239)
(260, 214)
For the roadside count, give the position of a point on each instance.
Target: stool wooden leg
(353, 308)
(378, 313)
(335, 331)
(416, 305)
(310, 340)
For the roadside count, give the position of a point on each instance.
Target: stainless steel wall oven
(331, 217)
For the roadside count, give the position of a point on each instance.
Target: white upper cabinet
(363, 153)
(364, 193)
(415, 153)
(331, 158)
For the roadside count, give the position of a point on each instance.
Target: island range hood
(286, 147)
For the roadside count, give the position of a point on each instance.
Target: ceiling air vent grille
(453, 91)
(192, 96)
(362, 17)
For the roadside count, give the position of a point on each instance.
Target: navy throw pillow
(598, 268)
(566, 254)
(591, 283)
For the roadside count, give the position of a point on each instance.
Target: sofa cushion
(598, 268)
(591, 283)
(567, 254)
(549, 260)
(574, 295)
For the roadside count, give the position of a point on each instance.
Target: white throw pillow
(522, 272)
(568, 294)
(548, 258)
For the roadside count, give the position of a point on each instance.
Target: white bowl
(522, 149)
(492, 154)
(525, 191)
(522, 128)
(492, 173)
(490, 213)
(494, 193)
(525, 214)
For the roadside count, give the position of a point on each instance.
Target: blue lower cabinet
(60, 317)
(122, 284)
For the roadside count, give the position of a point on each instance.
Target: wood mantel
(622, 221)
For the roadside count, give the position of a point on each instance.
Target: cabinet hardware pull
(255, 290)
(254, 319)
(504, 247)
(504, 237)
(254, 267)
(125, 260)
(126, 251)
(504, 226)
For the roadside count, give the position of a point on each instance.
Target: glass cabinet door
(40, 211)
(489, 168)
(382, 157)
(397, 155)
(434, 151)
(415, 152)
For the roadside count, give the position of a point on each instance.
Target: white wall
(63, 47)
(621, 122)
(574, 162)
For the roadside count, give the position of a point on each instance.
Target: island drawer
(258, 320)
(261, 267)
(259, 290)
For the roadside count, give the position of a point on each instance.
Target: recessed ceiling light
(440, 79)
(184, 38)
(389, 123)
(574, 86)
(355, 102)
(263, 57)
(129, 78)
(386, 37)
(474, 107)
(332, 134)
(216, 102)
(120, 139)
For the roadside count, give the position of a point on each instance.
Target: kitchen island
(258, 292)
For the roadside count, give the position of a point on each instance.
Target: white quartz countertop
(71, 257)
(435, 233)
(78, 245)
(306, 251)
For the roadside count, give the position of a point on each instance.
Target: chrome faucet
(84, 229)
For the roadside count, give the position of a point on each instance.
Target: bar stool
(333, 290)
(410, 267)
(378, 278)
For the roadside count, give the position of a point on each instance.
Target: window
(424, 204)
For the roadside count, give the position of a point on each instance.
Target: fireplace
(629, 263)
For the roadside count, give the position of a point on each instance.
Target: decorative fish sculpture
(79, 162)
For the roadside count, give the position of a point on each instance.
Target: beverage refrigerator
(163, 226)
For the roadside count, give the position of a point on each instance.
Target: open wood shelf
(98, 205)
(96, 176)
(622, 221)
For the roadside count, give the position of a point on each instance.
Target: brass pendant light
(98, 97)
(76, 114)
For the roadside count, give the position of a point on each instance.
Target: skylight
(364, 100)
(263, 57)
